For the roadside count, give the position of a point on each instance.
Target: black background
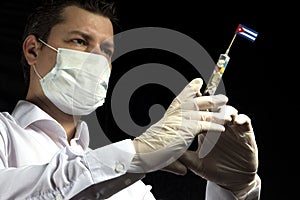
(259, 80)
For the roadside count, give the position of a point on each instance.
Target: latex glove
(178, 167)
(165, 141)
(229, 159)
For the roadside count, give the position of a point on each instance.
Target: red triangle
(239, 29)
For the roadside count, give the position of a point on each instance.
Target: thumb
(190, 91)
(191, 159)
(176, 168)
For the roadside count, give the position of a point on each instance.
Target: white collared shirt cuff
(110, 161)
(215, 192)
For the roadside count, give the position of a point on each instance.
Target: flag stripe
(247, 36)
(246, 32)
(251, 33)
(249, 30)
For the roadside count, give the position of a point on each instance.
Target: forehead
(75, 18)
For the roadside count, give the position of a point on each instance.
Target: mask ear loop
(51, 47)
(36, 72)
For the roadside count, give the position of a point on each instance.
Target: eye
(80, 42)
(107, 52)
(107, 48)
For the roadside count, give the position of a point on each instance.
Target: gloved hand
(229, 159)
(165, 141)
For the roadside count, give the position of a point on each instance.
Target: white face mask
(78, 83)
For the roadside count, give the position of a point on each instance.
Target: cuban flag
(246, 32)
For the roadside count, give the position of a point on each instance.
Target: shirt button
(119, 167)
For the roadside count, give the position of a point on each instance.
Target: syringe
(223, 60)
(217, 74)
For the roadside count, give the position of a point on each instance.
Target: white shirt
(37, 162)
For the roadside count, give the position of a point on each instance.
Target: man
(44, 154)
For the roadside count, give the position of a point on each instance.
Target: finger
(176, 168)
(190, 159)
(196, 127)
(225, 115)
(190, 91)
(228, 112)
(207, 116)
(244, 121)
(205, 102)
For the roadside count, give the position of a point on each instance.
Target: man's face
(81, 30)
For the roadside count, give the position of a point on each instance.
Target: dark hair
(49, 14)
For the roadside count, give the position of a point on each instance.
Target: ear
(30, 49)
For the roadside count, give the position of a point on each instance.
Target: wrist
(247, 188)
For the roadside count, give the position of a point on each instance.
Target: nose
(97, 50)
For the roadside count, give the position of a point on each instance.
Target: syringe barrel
(217, 74)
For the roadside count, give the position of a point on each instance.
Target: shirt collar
(27, 113)
(82, 134)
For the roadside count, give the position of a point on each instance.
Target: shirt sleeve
(66, 174)
(215, 192)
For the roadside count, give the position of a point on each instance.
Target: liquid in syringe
(217, 74)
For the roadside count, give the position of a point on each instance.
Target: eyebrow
(107, 43)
